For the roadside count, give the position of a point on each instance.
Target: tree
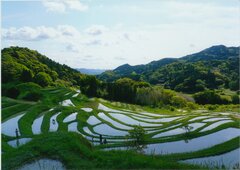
(89, 85)
(149, 96)
(137, 137)
(234, 85)
(200, 85)
(43, 79)
(134, 76)
(54, 75)
(12, 71)
(235, 99)
(187, 129)
(122, 90)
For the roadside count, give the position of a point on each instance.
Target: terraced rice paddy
(44, 164)
(71, 117)
(9, 126)
(195, 144)
(17, 142)
(36, 126)
(53, 122)
(166, 132)
(229, 160)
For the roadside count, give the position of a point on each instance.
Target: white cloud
(38, 33)
(54, 6)
(120, 58)
(126, 36)
(29, 33)
(61, 6)
(93, 42)
(181, 32)
(76, 5)
(68, 30)
(96, 30)
(72, 48)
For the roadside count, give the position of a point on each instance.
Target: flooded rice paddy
(113, 124)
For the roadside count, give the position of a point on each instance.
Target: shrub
(192, 105)
(212, 107)
(178, 101)
(209, 97)
(172, 108)
(225, 100)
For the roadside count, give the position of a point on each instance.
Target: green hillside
(213, 68)
(22, 65)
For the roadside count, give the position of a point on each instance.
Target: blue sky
(108, 33)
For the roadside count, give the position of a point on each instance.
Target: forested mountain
(134, 72)
(25, 71)
(212, 68)
(219, 52)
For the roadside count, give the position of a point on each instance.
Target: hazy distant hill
(90, 71)
(211, 68)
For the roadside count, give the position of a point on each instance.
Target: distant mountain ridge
(90, 71)
(126, 68)
(221, 61)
